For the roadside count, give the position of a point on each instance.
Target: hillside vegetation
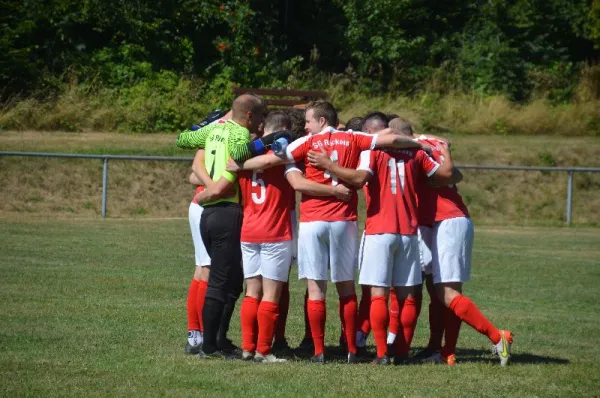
(40, 187)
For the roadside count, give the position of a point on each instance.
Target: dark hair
(376, 117)
(322, 108)
(355, 124)
(277, 120)
(391, 116)
(297, 117)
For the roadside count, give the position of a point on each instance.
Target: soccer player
(355, 124)
(267, 243)
(199, 284)
(328, 231)
(222, 217)
(372, 123)
(451, 247)
(389, 249)
(197, 291)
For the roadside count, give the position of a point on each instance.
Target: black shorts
(221, 229)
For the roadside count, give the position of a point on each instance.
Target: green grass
(97, 307)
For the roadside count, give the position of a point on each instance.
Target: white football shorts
(425, 243)
(269, 260)
(327, 244)
(388, 260)
(452, 250)
(201, 255)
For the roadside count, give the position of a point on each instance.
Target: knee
(253, 288)
(317, 290)
(345, 288)
(446, 293)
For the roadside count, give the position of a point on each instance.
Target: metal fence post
(569, 195)
(104, 186)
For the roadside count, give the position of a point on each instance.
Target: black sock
(226, 319)
(211, 317)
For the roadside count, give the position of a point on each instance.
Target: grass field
(97, 307)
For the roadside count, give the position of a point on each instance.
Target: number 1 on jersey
(327, 174)
(393, 165)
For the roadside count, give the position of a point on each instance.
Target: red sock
(268, 313)
(248, 314)
(317, 314)
(202, 286)
(307, 332)
(284, 307)
(192, 306)
(437, 310)
(348, 316)
(408, 320)
(466, 310)
(394, 313)
(364, 310)
(379, 321)
(451, 329)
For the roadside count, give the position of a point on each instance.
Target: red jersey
(268, 200)
(383, 215)
(343, 147)
(438, 203)
(412, 167)
(199, 189)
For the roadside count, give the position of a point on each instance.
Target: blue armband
(257, 147)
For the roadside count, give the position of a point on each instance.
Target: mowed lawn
(97, 307)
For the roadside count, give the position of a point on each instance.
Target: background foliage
(145, 66)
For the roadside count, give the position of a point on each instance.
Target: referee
(221, 220)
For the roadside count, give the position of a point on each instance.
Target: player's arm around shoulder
(389, 138)
(192, 139)
(261, 162)
(446, 173)
(237, 142)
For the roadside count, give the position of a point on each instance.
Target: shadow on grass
(472, 355)
(336, 354)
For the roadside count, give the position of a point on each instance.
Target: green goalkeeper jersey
(220, 140)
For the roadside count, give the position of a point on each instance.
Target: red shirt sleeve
(298, 149)
(364, 141)
(427, 164)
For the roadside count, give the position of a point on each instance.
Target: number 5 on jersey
(259, 198)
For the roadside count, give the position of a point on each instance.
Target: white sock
(391, 338)
(194, 337)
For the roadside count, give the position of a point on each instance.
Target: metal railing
(105, 158)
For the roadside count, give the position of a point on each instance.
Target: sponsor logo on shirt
(334, 142)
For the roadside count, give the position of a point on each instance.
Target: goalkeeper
(221, 221)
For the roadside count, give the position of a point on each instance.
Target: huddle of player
(417, 227)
